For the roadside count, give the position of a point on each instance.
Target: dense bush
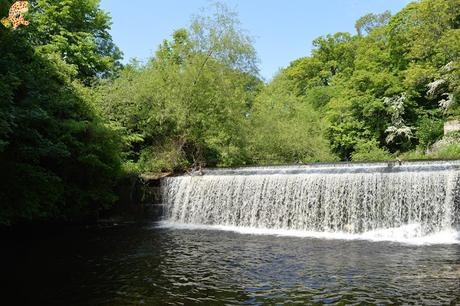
(370, 151)
(284, 128)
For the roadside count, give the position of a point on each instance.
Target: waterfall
(325, 198)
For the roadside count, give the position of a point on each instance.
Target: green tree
(77, 31)
(188, 104)
(367, 23)
(385, 84)
(285, 128)
(57, 158)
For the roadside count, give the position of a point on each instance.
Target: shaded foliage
(57, 158)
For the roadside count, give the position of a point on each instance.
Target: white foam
(406, 234)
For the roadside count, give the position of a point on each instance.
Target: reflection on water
(133, 265)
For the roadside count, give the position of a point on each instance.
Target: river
(148, 264)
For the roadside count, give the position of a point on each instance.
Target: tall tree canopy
(375, 95)
(188, 104)
(57, 158)
(76, 31)
(393, 84)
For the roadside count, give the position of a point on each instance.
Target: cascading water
(384, 201)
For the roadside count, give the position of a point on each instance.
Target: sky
(283, 30)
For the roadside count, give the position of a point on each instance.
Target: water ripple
(170, 266)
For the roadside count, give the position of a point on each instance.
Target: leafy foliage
(369, 96)
(76, 31)
(71, 115)
(284, 128)
(188, 104)
(370, 151)
(57, 158)
(395, 83)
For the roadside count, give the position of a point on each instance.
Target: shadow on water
(141, 264)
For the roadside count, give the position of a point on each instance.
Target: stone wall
(151, 198)
(451, 126)
(139, 197)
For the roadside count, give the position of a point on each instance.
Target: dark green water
(144, 265)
